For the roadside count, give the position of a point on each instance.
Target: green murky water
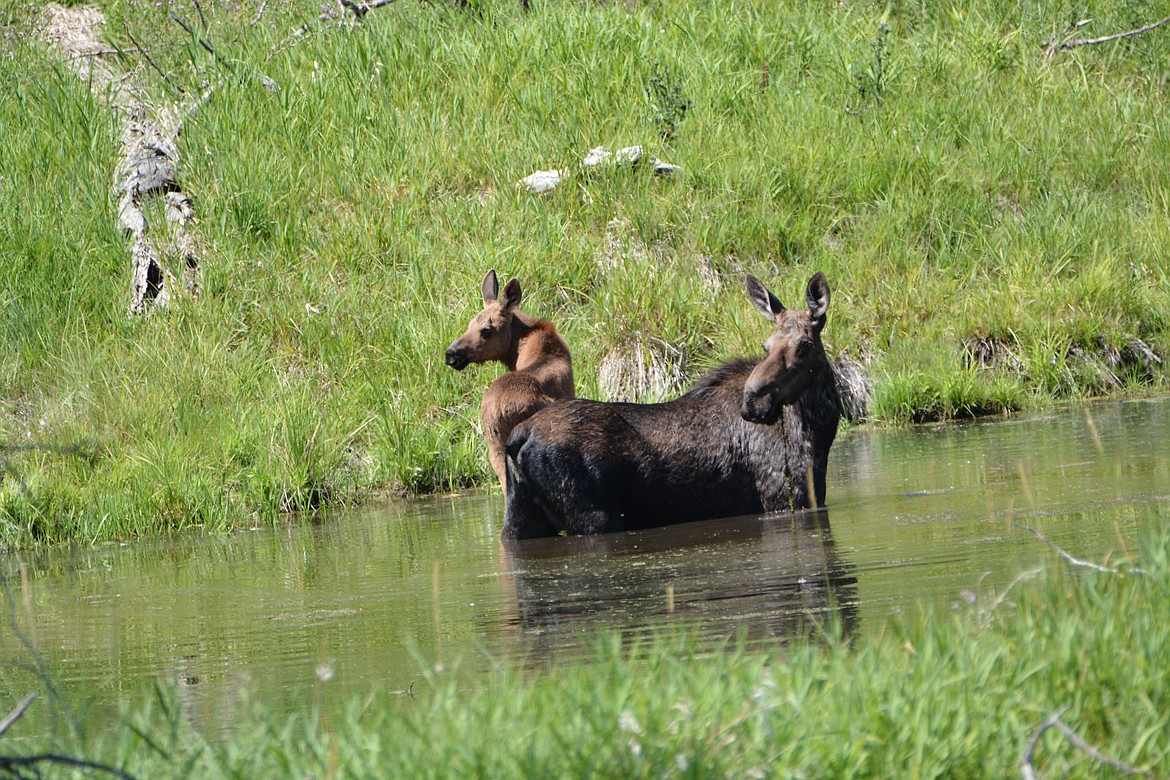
(929, 516)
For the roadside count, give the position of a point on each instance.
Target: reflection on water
(316, 611)
(770, 576)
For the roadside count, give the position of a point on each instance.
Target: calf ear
(511, 297)
(765, 302)
(817, 295)
(490, 286)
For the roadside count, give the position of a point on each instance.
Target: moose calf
(752, 436)
(537, 358)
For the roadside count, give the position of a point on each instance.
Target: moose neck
(533, 343)
(818, 408)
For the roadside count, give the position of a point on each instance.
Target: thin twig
(1026, 575)
(14, 716)
(1054, 721)
(145, 53)
(290, 40)
(408, 691)
(199, 9)
(256, 19)
(1077, 561)
(1026, 761)
(1096, 754)
(361, 9)
(85, 55)
(204, 43)
(1050, 45)
(305, 30)
(1116, 37)
(193, 108)
(18, 762)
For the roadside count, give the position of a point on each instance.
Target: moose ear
(765, 302)
(490, 287)
(817, 295)
(511, 296)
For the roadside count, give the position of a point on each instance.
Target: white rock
(598, 155)
(542, 181)
(631, 155)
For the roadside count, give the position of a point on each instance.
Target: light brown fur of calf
(540, 370)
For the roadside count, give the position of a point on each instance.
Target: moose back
(752, 436)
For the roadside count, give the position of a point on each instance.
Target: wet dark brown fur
(752, 436)
(540, 370)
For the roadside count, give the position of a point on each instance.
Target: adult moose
(752, 436)
(537, 358)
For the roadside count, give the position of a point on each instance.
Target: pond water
(931, 517)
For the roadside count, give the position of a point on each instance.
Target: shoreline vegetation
(1063, 675)
(989, 209)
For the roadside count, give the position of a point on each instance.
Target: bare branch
(81, 55)
(1096, 754)
(1026, 575)
(290, 40)
(10, 763)
(202, 18)
(1117, 37)
(1077, 561)
(17, 711)
(361, 9)
(305, 30)
(1051, 44)
(204, 43)
(260, 13)
(194, 107)
(1054, 721)
(1026, 761)
(146, 54)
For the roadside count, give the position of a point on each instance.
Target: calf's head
(489, 334)
(795, 356)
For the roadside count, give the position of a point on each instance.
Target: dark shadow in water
(770, 577)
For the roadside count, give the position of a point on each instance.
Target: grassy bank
(962, 695)
(991, 221)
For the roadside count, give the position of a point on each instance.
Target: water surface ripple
(928, 517)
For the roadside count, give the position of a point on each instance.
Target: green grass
(953, 184)
(958, 695)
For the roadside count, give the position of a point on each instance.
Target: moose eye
(485, 333)
(802, 349)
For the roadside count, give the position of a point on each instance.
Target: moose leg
(496, 439)
(499, 417)
(509, 401)
(524, 517)
(527, 513)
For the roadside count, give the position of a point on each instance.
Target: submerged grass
(961, 695)
(352, 187)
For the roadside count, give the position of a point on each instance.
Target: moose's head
(795, 355)
(489, 334)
